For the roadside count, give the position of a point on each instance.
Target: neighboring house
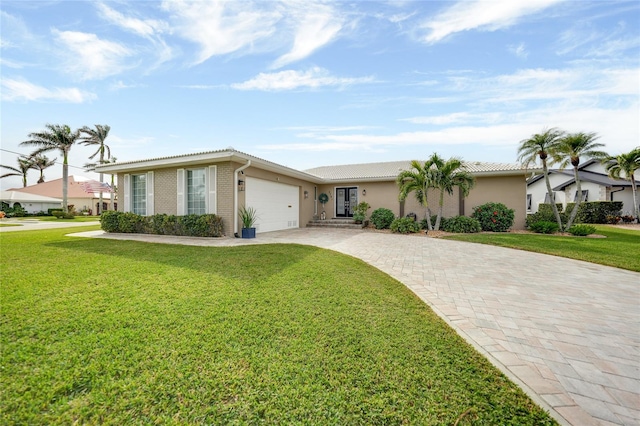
(220, 181)
(596, 185)
(81, 192)
(29, 202)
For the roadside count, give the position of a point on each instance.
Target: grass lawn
(55, 219)
(121, 332)
(620, 249)
(9, 224)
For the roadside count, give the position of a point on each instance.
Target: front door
(346, 201)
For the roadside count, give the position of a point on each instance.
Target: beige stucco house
(220, 181)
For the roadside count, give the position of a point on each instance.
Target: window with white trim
(139, 194)
(529, 202)
(585, 196)
(546, 197)
(196, 191)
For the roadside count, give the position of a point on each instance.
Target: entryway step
(335, 223)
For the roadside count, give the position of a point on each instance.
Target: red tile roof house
(221, 181)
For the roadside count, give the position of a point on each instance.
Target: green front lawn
(119, 332)
(9, 224)
(55, 219)
(620, 249)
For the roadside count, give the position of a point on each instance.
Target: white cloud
(221, 27)
(89, 57)
(520, 50)
(316, 26)
(483, 15)
(289, 80)
(142, 27)
(22, 90)
(456, 118)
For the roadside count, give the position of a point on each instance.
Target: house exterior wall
(538, 191)
(508, 190)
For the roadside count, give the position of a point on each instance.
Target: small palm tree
(417, 179)
(24, 165)
(626, 164)
(56, 137)
(540, 146)
(446, 175)
(41, 162)
(96, 137)
(568, 151)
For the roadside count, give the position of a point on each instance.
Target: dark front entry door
(346, 201)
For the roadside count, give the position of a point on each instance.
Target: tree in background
(56, 137)
(24, 165)
(540, 146)
(626, 164)
(91, 167)
(568, 151)
(41, 162)
(96, 137)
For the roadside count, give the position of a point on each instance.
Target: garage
(277, 204)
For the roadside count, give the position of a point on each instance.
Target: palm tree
(417, 179)
(541, 145)
(56, 137)
(626, 164)
(41, 162)
(91, 167)
(568, 151)
(446, 175)
(24, 165)
(96, 138)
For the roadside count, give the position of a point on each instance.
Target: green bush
(382, 218)
(582, 230)
(544, 227)
(206, 225)
(131, 223)
(110, 221)
(595, 211)
(495, 217)
(405, 225)
(461, 225)
(434, 217)
(50, 211)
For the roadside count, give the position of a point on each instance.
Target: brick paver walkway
(568, 332)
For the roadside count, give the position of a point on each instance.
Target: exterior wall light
(240, 185)
(364, 192)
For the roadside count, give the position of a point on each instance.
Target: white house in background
(32, 203)
(596, 186)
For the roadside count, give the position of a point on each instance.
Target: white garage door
(276, 204)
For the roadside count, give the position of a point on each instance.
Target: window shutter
(150, 201)
(181, 188)
(127, 193)
(212, 206)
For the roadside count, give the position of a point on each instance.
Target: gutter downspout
(613, 192)
(235, 197)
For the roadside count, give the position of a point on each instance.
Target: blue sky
(308, 84)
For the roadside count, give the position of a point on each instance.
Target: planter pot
(248, 232)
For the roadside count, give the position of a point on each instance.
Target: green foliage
(360, 212)
(15, 211)
(59, 214)
(613, 219)
(248, 216)
(495, 217)
(50, 211)
(582, 230)
(206, 225)
(546, 208)
(544, 227)
(382, 218)
(434, 217)
(595, 211)
(405, 225)
(545, 214)
(461, 225)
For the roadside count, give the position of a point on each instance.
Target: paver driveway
(568, 332)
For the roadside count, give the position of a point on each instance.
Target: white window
(196, 192)
(528, 202)
(585, 196)
(139, 194)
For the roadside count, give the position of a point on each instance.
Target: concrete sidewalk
(34, 224)
(568, 332)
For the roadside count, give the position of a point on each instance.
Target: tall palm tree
(96, 137)
(568, 151)
(56, 137)
(417, 179)
(540, 146)
(626, 164)
(446, 175)
(41, 162)
(24, 165)
(91, 167)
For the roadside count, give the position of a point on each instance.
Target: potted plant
(360, 212)
(248, 218)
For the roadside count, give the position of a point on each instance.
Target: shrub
(461, 225)
(382, 218)
(434, 217)
(613, 219)
(628, 218)
(545, 208)
(544, 227)
(595, 211)
(130, 223)
(110, 221)
(582, 230)
(360, 212)
(405, 225)
(494, 217)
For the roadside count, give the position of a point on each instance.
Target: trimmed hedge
(461, 225)
(495, 217)
(382, 218)
(595, 211)
(405, 225)
(206, 225)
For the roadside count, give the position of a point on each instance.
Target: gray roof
(599, 178)
(389, 170)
